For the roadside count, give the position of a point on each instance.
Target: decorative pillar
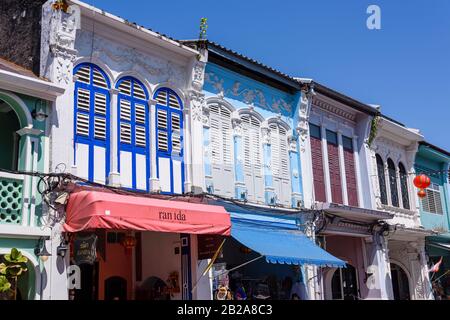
(197, 100)
(114, 175)
(427, 290)
(304, 149)
(326, 167)
(31, 137)
(296, 178)
(342, 168)
(239, 187)
(186, 135)
(357, 170)
(154, 181)
(207, 152)
(269, 190)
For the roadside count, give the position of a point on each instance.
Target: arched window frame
(381, 179)
(404, 187)
(165, 105)
(392, 172)
(137, 98)
(86, 83)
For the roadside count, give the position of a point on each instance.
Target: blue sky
(404, 67)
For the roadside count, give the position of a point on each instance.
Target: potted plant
(13, 266)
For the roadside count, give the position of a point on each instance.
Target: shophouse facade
(391, 159)
(434, 212)
(124, 122)
(25, 102)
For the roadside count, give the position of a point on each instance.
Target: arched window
(134, 146)
(381, 179)
(169, 141)
(220, 145)
(393, 182)
(279, 162)
(91, 122)
(404, 185)
(252, 157)
(9, 139)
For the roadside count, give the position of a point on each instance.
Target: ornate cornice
(318, 103)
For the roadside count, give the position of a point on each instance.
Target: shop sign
(208, 245)
(85, 249)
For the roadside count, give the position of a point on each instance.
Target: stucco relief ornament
(197, 102)
(265, 134)
(62, 41)
(237, 126)
(292, 140)
(197, 76)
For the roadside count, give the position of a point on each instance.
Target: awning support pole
(210, 264)
(239, 266)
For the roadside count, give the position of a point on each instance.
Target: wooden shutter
(83, 124)
(162, 139)
(334, 167)
(220, 146)
(317, 163)
(350, 173)
(253, 177)
(176, 133)
(280, 163)
(432, 202)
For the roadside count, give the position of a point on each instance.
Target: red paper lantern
(422, 181)
(129, 242)
(422, 193)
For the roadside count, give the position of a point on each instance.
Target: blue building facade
(435, 211)
(250, 145)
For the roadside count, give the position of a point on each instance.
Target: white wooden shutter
(125, 133)
(100, 103)
(83, 124)
(83, 99)
(125, 87)
(83, 74)
(161, 97)
(253, 177)
(173, 101)
(280, 163)
(139, 91)
(99, 80)
(176, 133)
(220, 146)
(100, 128)
(163, 143)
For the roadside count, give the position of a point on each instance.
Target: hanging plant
(60, 5)
(373, 130)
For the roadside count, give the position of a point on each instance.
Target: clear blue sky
(404, 67)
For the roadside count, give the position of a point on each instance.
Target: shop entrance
(257, 280)
(132, 266)
(400, 283)
(344, 284)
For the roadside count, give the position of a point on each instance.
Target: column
(296, 177)
(399, 187)
(188, 165)
(357, 170)
(326, 167)
(342, 168)
(427, 288)
(269, 191)
(197, 103)
(240, 189)
(114, 175)
(154, 181)
(377, 268)
(29, 187)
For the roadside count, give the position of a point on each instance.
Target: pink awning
(89, 209)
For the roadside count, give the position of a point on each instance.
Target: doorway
(400, 283)
(344, 284)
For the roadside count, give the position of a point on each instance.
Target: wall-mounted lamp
(38, 114)
(41, 250)
(62, 249)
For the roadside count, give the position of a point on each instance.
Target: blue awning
(280, 245)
